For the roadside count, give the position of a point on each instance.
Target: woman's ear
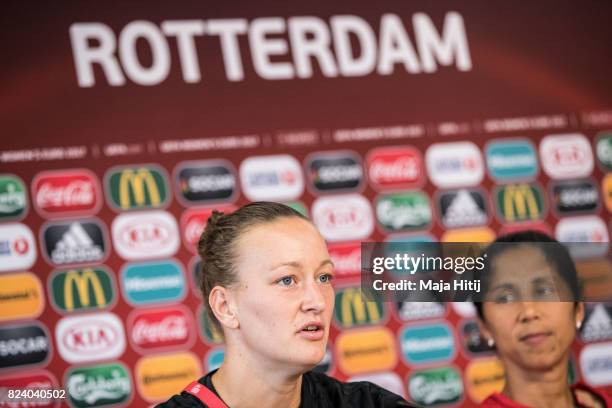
(485, 332)
(220, 301)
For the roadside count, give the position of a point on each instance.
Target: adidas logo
(76, 246)
(598, 325)
(463, 211)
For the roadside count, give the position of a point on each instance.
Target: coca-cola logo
(66, 192)
(41, 380)
(395, 167)
(161, 328)
(194, 221)
(346, 259)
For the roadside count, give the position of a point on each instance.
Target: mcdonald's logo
(81, 289)
(137, 187)
(353, 310)
(520, 202)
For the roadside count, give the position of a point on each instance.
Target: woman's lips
(312, 331)
(534, 339)
(312, 335)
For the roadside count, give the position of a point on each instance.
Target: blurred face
(284, 300)
(532, 329)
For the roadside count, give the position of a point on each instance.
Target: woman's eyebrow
(326, 262)
(543, 279)
(298, 265)
(292, 264)
(503, 286)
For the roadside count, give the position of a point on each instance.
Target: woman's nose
(529, 311)
(313, 298)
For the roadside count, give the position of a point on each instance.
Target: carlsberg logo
(99, 385)
(436, 386)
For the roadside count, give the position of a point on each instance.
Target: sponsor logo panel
(153, 282)
(98, 385)
(408, 311)
(395, 168)
(463, 208)
(145, 235)
(347, 261)
(389, 381)
(451, 165)
(570, 197)
(595, 277)
(66, 193)
(472, 340)
(17, 247)
(13, 198)
(511, 159)
(343, 217)
(606, 187)
(596, 364)
(36, 380)
(427, 343)
(82, 289)
(403, 212)
(597, 322)
(566, 156)
(214, 359)
(588, 228)
(353, 310)
(23, 345)
(193, 222)
(482, 234)
(366, 350)
(334, 171)
(205, 182)
(520, 202)
(208, 331)
(271, 178)
(90, 337)
(525, 226)
(484, 377)
(161, 329)
(74, 242)
(21, 296)
(464, 309)
(298, 206)
(137, 187)
(435, 386)
(604, 150)
(195, 266)
(157, 377)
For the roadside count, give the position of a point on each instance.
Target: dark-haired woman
(531, 312)
(266, 280)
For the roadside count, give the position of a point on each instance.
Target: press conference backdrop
(124, 125)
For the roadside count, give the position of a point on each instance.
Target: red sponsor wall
(123, 126)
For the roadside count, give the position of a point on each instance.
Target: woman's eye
(546, 291)
(325, 278)
(504, 298)
(286, 281)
